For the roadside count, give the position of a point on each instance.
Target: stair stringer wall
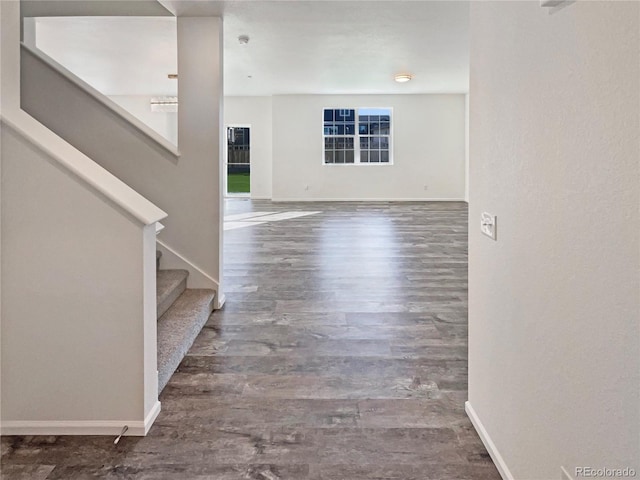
(78, 309)
(187, 186)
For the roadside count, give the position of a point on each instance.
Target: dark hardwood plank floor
(341, 354)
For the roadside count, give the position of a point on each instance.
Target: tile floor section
(341, 354)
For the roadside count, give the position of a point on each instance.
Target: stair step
(169, 286)
(179, 327)
(158, 257)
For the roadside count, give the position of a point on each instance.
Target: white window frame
(356, 138)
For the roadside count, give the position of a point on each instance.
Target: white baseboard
(197, 278)
(307, 199)
(499, 462)
(220, 299)
(151, 416)
(82, 427)
(564, 474)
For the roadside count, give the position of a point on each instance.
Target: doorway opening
(238, 160)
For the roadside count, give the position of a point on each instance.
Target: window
(361, 136)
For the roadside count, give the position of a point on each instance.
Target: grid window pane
(344, 115)
(349, 156)
(357, 137)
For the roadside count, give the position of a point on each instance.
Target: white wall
(74, 356)
(428, 143)
(466, 147)
(9, 56)
(1, 86)
(256, 112)
(554, 304)
(165, 123)
(201, 142)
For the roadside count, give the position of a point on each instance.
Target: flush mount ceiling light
(403, 77)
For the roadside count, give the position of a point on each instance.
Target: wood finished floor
(341, 354)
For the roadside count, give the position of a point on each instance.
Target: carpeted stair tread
(179, 327)
(169, 286)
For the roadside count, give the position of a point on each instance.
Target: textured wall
(428, 146)
(554, 304)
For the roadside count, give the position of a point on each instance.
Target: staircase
(182, 313)
(77, 166)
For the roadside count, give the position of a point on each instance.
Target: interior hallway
(341, 354)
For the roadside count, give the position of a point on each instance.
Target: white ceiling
(116, 55)
(337, 47)
(91, 8)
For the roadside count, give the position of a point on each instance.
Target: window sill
(386, 164)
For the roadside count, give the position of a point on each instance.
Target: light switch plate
(488, 225)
